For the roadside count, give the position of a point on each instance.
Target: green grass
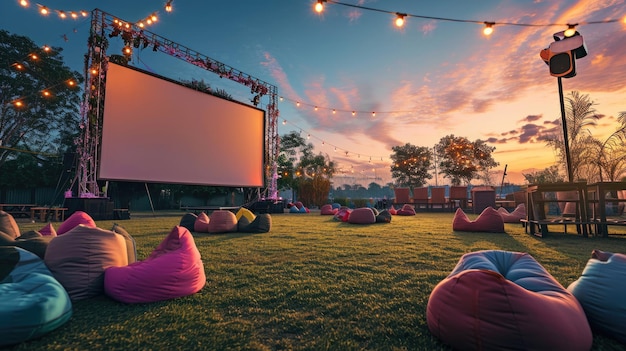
(311, 283)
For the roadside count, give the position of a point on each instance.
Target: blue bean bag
(601, 290)
(32, 301)
(501, 300)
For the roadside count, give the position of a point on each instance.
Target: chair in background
(402, 196)
(438, 198)
(420, 197)
(458, 195)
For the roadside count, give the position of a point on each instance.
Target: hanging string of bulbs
(76, 14)
(400, 17)
(346, 152)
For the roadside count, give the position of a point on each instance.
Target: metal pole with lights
(561, 57)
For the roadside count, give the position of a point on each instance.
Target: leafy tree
(44, 126)
(463, 160)
(606, 157)
(547, 175)
(410, 165)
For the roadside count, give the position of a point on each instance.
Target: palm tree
(579, 116)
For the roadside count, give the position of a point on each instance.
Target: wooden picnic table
(17, 210)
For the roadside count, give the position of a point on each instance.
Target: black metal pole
(568, 158)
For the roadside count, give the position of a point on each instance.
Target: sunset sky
(429, 79)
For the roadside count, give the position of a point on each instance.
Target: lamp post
(561, 57)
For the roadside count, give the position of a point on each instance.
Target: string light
(400, 19)
(168, 6)
(319, 7)
(43, 10)
(488, 28)
(570, 31)
(24, 3)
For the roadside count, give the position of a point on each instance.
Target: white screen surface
(157, 131)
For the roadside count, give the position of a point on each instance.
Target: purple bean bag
(77, 218)
(362, 215)
(500, 300)
(174, 269)
(78, 258)
(489, 220)
(601, 290)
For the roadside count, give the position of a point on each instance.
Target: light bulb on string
(319, 6)
(488, 28)
(24, 3)
(570, 31)
(400, 19)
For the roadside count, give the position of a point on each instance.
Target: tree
(463, 160)
(609, 156)
(579, 116)
(39, 105)
(547, 175)
(410, 165)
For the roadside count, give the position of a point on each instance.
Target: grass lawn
(311, 283)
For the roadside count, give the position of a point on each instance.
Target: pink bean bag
(513, 217)
(362, 215)
(78, 217)
(343, 214)
(201, 223)
(500, 300)
(406, 210)
(48, 230)
(489, 220)
(174, 269)
(328, 210)
(222, 221)
(78, 258)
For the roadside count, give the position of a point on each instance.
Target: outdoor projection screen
(158, 131)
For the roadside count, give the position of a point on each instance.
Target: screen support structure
(105, 26)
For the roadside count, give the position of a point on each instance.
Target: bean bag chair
(174, 269)
(31, 241)
(8, 225)
(383, 217)
(294, 209)
(362, 215)
(489, 220)
(78, 258)
(77, 218)
(202, 223)
(131, 247)
(222, 221)
(406, 210)
(188, 221)
(244, 212)
(501, 300)
(336, 205)
(33, 302)
(393, 211)
(514, 216)
(299, 204)
(48, 230)
(328, 210)
(343, 214)
(601, 290)
(261, 224)
(303, 209)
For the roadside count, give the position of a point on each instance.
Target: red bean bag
(406, 210)
(514, 216)
(78, 217)
(222, 221)
(201, 223)
(174, 269)
(601, 290)
(328, 209)
(78, 258)
(393, 211)
(343, 214)
(500, 300)
(362, 215)
(489, 220)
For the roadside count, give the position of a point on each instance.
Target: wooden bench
(43, 213)
(17, 210)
